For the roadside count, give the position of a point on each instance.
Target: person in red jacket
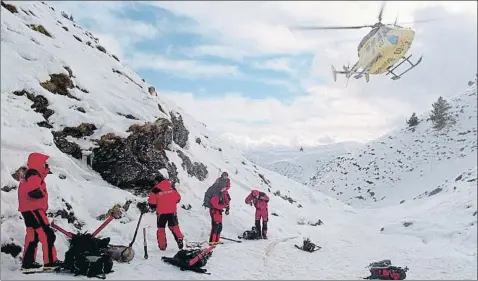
(164, 199)
(224, 181)
(260, 201)
(33, 204)
(218, 203)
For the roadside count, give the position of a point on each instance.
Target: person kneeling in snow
(164, 199)
(33, 204)
(260, 201)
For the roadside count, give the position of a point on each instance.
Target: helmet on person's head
(224, 175)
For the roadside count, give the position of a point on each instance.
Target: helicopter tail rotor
(334, 73)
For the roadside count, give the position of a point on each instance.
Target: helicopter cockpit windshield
(385, 29)
(364, 40)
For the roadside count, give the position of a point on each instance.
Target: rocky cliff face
(133, 162)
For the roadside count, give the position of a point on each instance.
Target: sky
(239, 68)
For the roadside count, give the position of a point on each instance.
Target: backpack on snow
(252, 234)
(384, 270)
(87, 256)
(308, 246)
(213, 190)
(191, 259)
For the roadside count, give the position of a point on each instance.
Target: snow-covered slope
(296, 164)
(401, 165)
(93, 88)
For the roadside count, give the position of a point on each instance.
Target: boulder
(134, 162)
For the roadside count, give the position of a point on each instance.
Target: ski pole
(225, 238)
(145, 244)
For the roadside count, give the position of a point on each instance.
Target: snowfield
(440, 242)
(296, 164)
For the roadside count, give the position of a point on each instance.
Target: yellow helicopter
(378, 52)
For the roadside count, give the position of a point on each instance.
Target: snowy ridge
(107, 94)
(407, 162)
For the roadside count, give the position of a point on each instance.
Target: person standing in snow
(218, 203)
(260, 201)
(164, 198)
(33, 204)
(217, 200)
(225, 184)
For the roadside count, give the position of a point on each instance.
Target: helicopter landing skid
(348, 73)
(404, 59)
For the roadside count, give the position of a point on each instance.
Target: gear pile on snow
(87, 256)
(308, 246)
(384, 270)
(252, 234)
(191, 259)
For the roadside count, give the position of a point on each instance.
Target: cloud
(116, 32)
(307, 119)
(184, 68)
(278, 64)
(220, 51)
(262, 27)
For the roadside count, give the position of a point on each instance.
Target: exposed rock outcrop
(181, 134)
(134, 162)
(198, 170)
(68, 147)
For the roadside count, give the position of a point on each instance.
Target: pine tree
(440, 115)
(413, 121)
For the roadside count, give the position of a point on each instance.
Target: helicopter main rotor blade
(422, 21)
(381, 11)
(329, 27)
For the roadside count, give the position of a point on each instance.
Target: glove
(227, 211)
(250, 203)
(143, 207)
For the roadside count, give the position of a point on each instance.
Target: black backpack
(185, 255)
(252, 234)
(182, 258)
(214, 189)
(87, 256)
(384, 270)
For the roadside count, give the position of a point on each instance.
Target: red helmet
(255, 193)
